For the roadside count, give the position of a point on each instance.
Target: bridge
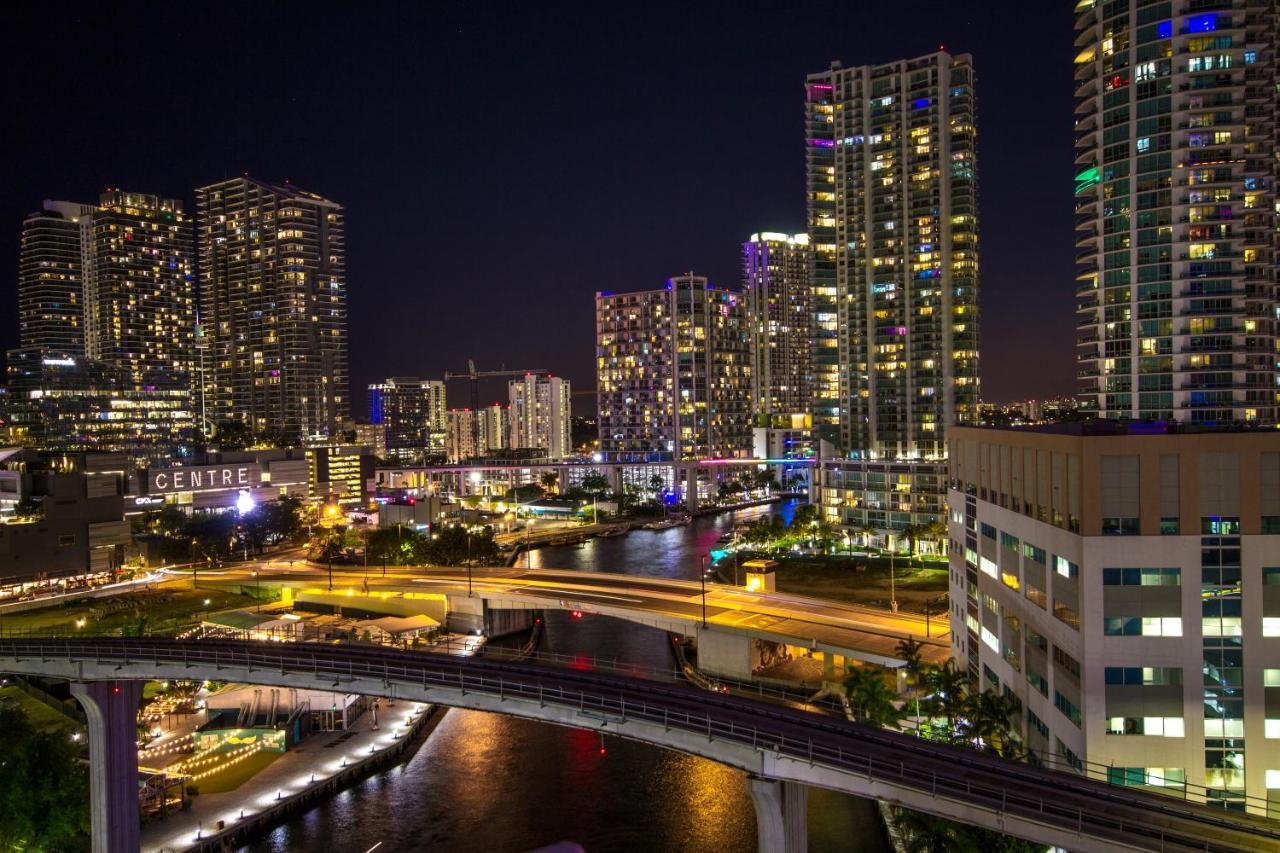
(785, 750)
(725, 630)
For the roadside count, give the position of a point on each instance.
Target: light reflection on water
(489, 782)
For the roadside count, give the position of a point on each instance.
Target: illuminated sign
(204, 478)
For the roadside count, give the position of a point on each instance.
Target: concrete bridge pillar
(691, 488)
(111, 708)
(782, 820)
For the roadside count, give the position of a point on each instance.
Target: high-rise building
(273, 306)
(775, 272)
(139, 288)
(412, 414)
(1176, 210)
(473, 434)
(891, 162)
(50, 289)
(61, 402)
(1121, 582)
(674, 372)
(540, 412)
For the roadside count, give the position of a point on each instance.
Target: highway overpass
(832, 631)
(783, 748)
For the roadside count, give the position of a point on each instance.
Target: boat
(667, 523)
(614, 531)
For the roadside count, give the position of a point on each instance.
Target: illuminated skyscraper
(540, 414)
(673, 372)
(1176, 210)
(892, 195)
(273, 306)
(139, 289)
(775, 272)
(50, 290)
(412, 415)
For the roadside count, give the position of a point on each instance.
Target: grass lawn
(41, 715)
(167, 606)
(237, 774)
(913, 587)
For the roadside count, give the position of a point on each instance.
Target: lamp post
(702, 577)
(893, 594)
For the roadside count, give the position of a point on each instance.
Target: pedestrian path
(301, 771)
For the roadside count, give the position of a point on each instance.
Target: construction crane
(475, 378)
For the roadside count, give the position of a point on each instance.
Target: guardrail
(801, 699)
(1064, 801)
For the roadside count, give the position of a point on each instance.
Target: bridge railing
(1056, 799)
(800, 699)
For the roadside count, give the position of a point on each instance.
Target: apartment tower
(674, 372)
(50, 289)
(775, 272)
(540, 413)
(138, 288)
(1176, 210)
(893, 227)
(273, 306)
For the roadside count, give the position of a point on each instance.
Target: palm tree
(988, 717)
(870, 697)
(549, 480)
(913, 669)
(923, 833)
(946, 689)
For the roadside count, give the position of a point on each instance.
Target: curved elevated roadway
(770, 741)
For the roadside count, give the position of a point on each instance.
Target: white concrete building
(540, 413)
(1124, 584)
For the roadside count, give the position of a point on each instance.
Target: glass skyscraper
(1176, 209)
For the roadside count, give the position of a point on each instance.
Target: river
(487, 782)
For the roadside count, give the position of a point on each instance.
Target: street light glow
(245, 502)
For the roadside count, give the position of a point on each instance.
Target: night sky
(499, 164)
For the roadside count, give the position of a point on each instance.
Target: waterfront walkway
(300, 772)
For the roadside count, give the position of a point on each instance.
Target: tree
(871, 698)
(914, 671)
(657, 485)
(595, 483)
(765, 480)
(549, 480)
(924, 833)
(44, 789)
(803, 516)
(988, 718)
(946, 689)
(232, 435)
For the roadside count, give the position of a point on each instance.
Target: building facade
(892, 215)
(50, 286)
(1176, 210)
(880, 496)
(473, 434)
(540, 412)
(411, 412)
(62, 403)
(674, 372)
(775, 272)
(1124, 584)
(273, 305)
(139, 287)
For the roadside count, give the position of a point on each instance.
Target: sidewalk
(299, 772)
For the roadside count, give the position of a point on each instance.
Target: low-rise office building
(58, 522)
(884, 496)
(1123, 582)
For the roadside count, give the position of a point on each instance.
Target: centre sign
(204, 478)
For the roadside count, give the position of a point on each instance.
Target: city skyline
(379, 193)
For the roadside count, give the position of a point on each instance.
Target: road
(873, 634)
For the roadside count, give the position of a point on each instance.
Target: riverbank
(321, 766)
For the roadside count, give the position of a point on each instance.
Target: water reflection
(495, 783)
